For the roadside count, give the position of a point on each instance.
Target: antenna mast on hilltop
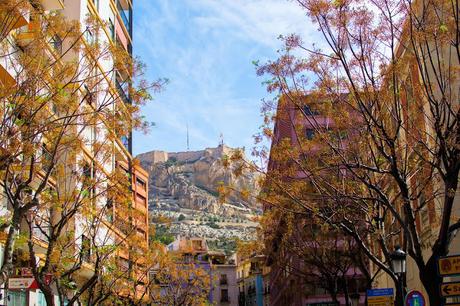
(221, 143)
(188, 140)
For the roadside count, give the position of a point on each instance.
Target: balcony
(22, 18)
(6, 78)
(27, 33)
(49, 5)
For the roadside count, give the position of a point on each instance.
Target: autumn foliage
(373, 110)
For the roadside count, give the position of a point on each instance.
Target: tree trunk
(431, 280)
(429, 272)
(49, 296)
(345, 291)
(7, 263)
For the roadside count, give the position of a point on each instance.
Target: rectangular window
(109, 210)
(96, 4)
(224, 295)
(17, 298)
(47, 158)
(85, 248)
(223, 279)
(140, 183)
(308, 111)
(57, 44)
(125, 141)
(88, 186)
(309, 134)
(112, 29)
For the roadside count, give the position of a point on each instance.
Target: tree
(315, 256)
(60, 124)
(388, 81)
(178, 282)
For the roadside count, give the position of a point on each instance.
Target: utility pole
(188, 139)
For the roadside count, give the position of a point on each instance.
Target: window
(109, 208)
(17, 298)
(224, 295)
(141, 233)
(309, 133)
(47, 159)
(141, 200)
(96, 4)
(223, 279)
(308, 111)
(41, 298)
(112, 29)
(125, 141)
(124, 265)
(89, 96)
(57, 44)
(85, 248)
(88, 187)
(122, 89)
(89, 37)
(140, 183)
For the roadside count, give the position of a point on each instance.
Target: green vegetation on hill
(163, 235)
(227, 245)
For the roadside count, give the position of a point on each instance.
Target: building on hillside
(222, 270)
(115, 29)
(224, 288)
(253, 278)
(295, 279)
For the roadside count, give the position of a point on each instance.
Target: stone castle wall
(189, 156)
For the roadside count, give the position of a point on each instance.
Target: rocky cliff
(186, 183)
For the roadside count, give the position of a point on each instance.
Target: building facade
(116, 224)
(253, 278)
(299, 274)
(221, 269)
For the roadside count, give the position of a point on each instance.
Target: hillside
(183, 186)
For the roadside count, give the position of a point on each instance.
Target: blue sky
(206, 48)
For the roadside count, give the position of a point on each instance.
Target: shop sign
(449, 265)
(380, 297)
(22, 283)
(450, 289)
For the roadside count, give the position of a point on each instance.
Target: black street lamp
(355, 299)
(398, 263)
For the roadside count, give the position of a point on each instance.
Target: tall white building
(105, 25)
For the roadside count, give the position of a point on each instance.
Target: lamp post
(355, 299)
(398, 263)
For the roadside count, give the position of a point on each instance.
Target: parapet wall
(189, 156)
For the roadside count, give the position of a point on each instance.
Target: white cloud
(205, 47)
(260, 21)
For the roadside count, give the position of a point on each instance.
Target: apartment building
(300, 270)
(253, 279)
(220, 268)
(417, 68)
(99, 219)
